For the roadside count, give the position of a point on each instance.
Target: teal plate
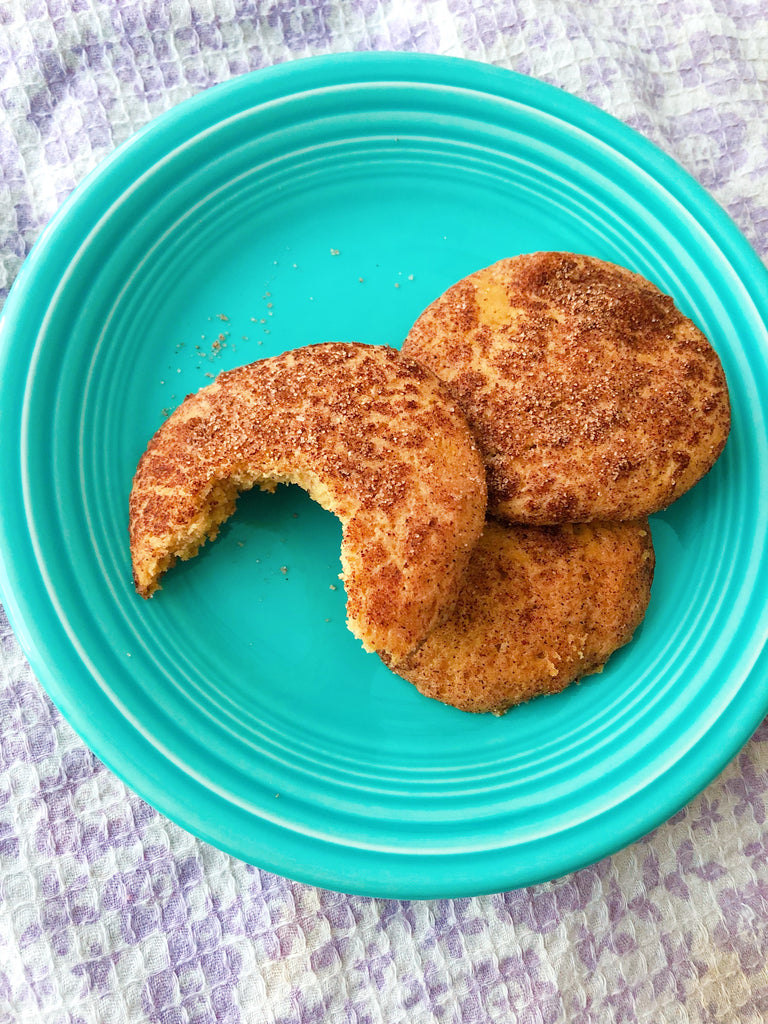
(332, 199)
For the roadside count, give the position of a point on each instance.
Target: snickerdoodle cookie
(541, 606)
(590, 394)
(372, 436)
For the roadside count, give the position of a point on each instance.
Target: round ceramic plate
(332, 199)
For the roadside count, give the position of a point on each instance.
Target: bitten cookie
(591, 396)
(541, 606)
(370, 434)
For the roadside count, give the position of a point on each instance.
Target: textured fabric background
(108, 912)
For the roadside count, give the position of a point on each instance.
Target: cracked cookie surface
(590, 394)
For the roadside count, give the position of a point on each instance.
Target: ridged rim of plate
(449, 851)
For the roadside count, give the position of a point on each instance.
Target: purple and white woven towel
(110, 913)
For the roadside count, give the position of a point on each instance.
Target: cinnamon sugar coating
(371, 435)
(541, 607)
(590, 395)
